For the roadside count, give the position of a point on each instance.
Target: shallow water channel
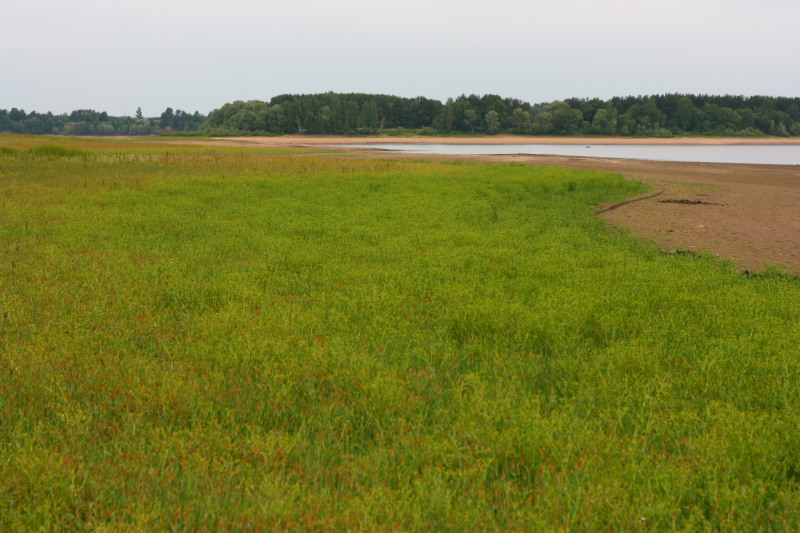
(743, 154)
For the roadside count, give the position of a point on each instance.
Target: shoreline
(305, 141)
(746, 213)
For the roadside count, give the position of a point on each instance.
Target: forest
(83, 122)
(665, 115)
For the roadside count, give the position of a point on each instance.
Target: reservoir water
(747, 154)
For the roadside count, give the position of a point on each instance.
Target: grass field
(196, 338)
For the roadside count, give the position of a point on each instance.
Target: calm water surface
(760, 155)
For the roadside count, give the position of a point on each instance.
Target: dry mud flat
(747, 213)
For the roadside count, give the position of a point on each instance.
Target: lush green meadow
(199, 338)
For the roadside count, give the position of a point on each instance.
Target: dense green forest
(333, 113)
(667, 115)
(91, 122)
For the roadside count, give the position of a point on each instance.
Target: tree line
(647, 116)
(91, 122)
(357, 113)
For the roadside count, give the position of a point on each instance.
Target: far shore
(301, 141)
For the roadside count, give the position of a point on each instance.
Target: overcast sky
(117, 55)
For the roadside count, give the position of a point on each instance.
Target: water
(752, 154)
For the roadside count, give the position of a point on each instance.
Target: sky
(118, 55)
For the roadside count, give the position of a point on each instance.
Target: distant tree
(17, 115)
(492, 122)
(183, 121)
(121, 124)
(686, 114)
(493, 102)
(587, 107)
(324, 118)
(105, 129)
(140, 127)
(746, 118)
(368, 121)
(425, 111)
(521, 121)
(37, 126)
(85, 115)
(603, 123)
(718, 118)
(82, 128)
(647, 116)
(471, 117)
(166, 118)
(565, 119)
(139, 115)
(626, 124)
(246, 120)
(446, 119)
(543, 122)
(197, 121)
(276, 119)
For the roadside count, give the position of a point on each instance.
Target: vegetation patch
(204, 338)
(686, 202)
(771, 272)
(55, 150)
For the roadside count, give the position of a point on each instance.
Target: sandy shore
(749, 214)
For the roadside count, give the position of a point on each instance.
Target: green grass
(55, 150)
(215, 338)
